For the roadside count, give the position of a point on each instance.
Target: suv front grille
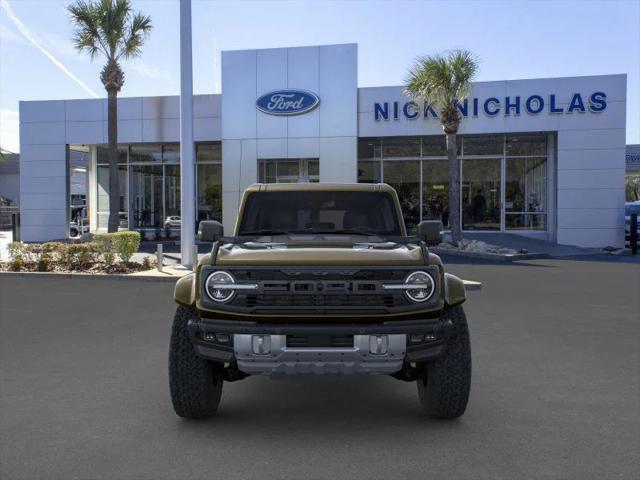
(320, 341)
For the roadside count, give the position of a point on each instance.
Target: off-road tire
(443, 391)
(195, 383)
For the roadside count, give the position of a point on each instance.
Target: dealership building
(543, 158)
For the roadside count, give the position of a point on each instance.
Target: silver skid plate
(283, 360)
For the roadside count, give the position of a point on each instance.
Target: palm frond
(139, 28)
(442, 80)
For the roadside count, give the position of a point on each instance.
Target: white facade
(586, 148)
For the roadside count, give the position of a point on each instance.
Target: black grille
(320, 341)
(340, 300)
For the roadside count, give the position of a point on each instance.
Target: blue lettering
(475, 107)
(552, 107)
(380, 111)
(576, 104)
(464, 108)
(598, 102)
(395, 110)
(428, 109)
(539, 104)
(510, 106)
(410, 110)
(496, 102)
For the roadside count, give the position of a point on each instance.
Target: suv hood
(319, 250)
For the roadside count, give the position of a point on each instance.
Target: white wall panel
(271, 74)
(231, 158)
(87, 110)
(588, 218)
(249, 164)
(207, 129)
(591, 139)
(339, 90)
(45, 133)
(304, 73)
(303, 147)
(161, 130)
(207, 106)
(43, 169)
(43, 233)
(42, 111)
(336, 159)
(610, 198)
(591, 159)
(230, 205)
(271, 148)
(591, 237)
(40, 153)
(129, 131)
(129, 108)
(85, 132)
(48, 217)
(581, 179)
(238, 102)
(160, 107)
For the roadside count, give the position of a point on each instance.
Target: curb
(92, 276)
(490, 256)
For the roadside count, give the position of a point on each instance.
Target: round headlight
(215, 286)
(425, 289)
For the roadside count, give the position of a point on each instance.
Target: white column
(187, 148)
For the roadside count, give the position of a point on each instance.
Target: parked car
(320, 279)
(172, 221)
(629, 208)
(76, 230)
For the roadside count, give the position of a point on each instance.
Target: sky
(512, 39)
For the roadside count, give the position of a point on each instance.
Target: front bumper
(233, 342)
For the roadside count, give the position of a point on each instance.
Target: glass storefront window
(404, 177)
(285, 170)
(209, 192)
(401, 147)
(525, 193)
(171, 153)
(481, 194)
(368, 171)
(433, 146)
(435, 190)
(172, 190)
(526, 144)
(483, 145)
(102, 202)
(145, 153)
(208, 152)
(103, 154)
(146, 191)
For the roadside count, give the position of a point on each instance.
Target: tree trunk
(454, 189)
(114, 184)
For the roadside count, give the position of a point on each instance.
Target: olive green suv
(320, 279)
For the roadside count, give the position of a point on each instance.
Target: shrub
(127, 243)
(146, 263)
(105, 243)
(16, 264)
(44, 263)
(17, 249)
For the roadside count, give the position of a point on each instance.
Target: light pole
(187, 148)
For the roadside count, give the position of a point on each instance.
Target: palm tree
(444, 81)
(112, 29)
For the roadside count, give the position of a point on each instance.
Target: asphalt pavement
(555, 393)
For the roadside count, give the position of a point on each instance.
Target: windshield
(367, 213)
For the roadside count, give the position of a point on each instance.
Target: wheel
(195, 383)
(73, 232)
(443, 390)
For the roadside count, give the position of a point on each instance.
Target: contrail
(31, 38)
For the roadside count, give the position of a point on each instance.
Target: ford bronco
(320, 279)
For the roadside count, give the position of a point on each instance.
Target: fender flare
(454, 292)
(184, 292)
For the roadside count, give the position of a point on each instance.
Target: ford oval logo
(287, 102)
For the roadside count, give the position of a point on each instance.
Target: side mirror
(430, 231)
(210, 231)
